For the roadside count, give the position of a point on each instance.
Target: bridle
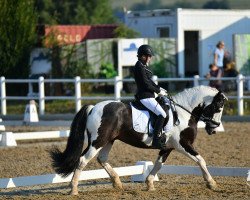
(203, 117)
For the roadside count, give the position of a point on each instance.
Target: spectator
(219, 54)
(227, 58)
(215, 72)
(230, 71)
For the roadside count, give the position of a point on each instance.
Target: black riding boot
(159, 139)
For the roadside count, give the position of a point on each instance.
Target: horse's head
(212, 112)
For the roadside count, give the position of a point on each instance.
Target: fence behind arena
(241, 81)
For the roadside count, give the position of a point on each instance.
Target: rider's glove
(163, 92)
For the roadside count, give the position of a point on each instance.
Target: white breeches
(154, 106)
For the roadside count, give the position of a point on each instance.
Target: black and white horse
(100, 125)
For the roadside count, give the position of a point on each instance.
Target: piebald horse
(107, 121)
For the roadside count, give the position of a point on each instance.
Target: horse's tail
(66, 162)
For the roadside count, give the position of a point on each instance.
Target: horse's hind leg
(102, 159)
(92, 151)
(163, 155)
(191, 153)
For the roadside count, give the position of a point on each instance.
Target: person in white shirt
(219, 54)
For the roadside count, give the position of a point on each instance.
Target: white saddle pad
(140, 119)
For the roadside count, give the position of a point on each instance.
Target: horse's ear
(220, 93)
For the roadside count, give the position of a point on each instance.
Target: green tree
(46, 11)
(182, 4)
(17, 36)
(152, 4)
(75, 12)
(224, 4)
(107, 70)
(122, 31)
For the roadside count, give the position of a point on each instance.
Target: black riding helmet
(145, 50)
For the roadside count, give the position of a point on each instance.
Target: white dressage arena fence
(138, 173)
(41, 97)
(2, 127)
(10, 138)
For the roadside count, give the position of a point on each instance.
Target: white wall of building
(212, 25)
(148, 22)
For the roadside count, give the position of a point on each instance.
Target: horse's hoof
(118, 186)
(212, 185)
(74, 192)
(150, 189)
(150, 186)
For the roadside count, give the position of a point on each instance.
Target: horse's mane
(192, 96)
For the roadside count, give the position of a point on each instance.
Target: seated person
(215, 72)
(230, 71)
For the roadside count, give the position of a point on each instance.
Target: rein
(202, 118)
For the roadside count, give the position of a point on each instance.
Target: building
(197, 32)
(63, 35)
(72, 34)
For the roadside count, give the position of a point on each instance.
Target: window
(163, 32)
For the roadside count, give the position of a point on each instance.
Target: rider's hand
(163, 92)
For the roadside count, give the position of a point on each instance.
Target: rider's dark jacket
(145, 86)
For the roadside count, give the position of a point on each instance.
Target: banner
(242, 53)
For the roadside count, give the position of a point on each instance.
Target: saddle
(144, 119)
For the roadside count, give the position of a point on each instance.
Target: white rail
(54, 178)
(9, 138)
(138, 172)
(41, 98)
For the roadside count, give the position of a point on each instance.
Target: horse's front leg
(102, 159)
(210, 182)
(163, 155)
(194, 155)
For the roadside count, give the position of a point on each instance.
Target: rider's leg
(158, 138)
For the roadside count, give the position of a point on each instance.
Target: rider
(145, 92)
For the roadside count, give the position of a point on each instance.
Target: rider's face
(146, 59)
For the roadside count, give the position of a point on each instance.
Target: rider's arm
(148, 83)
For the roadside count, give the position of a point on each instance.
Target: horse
(108, 121)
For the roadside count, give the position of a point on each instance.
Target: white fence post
(78, 93)
(41, 95)
(117, 83)
(240, 89)
(196, 80)
(3, 96)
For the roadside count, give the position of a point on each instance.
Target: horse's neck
(184, 99)
(190, 98)
(192, 122)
